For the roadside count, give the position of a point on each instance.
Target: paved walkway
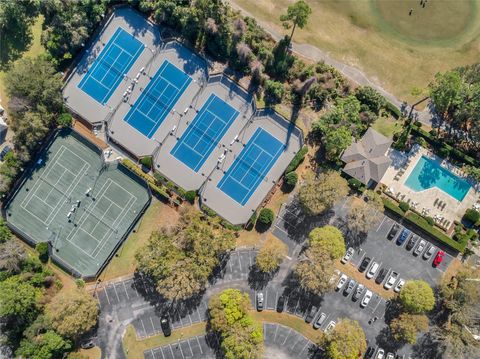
(354, 74)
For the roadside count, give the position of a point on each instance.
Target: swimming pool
(428, 173)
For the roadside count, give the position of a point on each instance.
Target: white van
(373, 270)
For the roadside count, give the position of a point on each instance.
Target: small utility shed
(367, 159)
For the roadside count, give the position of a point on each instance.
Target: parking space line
(287, 336)
(115, 290)
(198, 341)
(125, 288)
(361, 259)
(378, 303)
(106, 294)
(239, 261)
(171, 350)
(191, 351)
(383, 220)
(153, 326)
(181, 350)
(276, 330)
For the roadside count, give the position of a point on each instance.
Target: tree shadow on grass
(427, 347)
(12, 45)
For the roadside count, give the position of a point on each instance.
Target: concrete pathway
(354, 74)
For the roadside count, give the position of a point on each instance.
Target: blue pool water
(428, 173)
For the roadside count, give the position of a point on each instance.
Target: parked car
(421, 246)
(393, 231)
(259, 301)
(364, 264)
(392, 278)
(380, 354)
(403, 236)
(399, 285)
(165, 325)
(311, 314)
(390, 356)
(373, 270)
(330, 326)
(348, 255)
(88, 344)
(381, 275)
(5, 150)
(369, 353)
(351, 284)
(358, 292)
(281, 303)
(438, 258)
(318, 323)
(341, 281)
(411, 242)
(429, 252)
(366, 298)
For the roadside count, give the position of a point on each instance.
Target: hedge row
(211, 213)
(394, 110)
(297, 160)
(150, 180)
(423, 224)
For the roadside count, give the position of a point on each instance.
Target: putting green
(437, 22)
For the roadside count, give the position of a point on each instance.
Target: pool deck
(424, 201)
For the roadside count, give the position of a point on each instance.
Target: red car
(438, 258)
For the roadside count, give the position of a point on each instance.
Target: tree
(316, 271)
(274, 92)
(406, 327)
(417, 297)
(16, 20)
(266, 217)
(18, 300)
(291, 179)
(363, 213)
(270, 255)
(329, 239)
(297, 15)
(318, 195)
(241, 335)
(346, 341)
(371, 98)
(180, 260)
(446, 93)
(72, 314)
(5, 233)
(44, 346)
(336, 140)
(42, 249)
(12, 256)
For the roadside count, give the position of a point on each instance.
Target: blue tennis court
(114, 61)
(158, 99)
(204, 133)
(251, 167)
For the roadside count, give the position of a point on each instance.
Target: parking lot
(277, 338)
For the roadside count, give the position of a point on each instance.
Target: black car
(311, 314)
(364, 264)
(369, 353)
(281, 303)
(165, 324)
(393, 231)
(411, 243)
(381, 275)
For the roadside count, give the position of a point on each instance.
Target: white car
(399, 285)
(380, 354)
(391, 280)
(390, 356)
(330, 326)
(373, 270)
(366, 298)
(341, 282)
(348, 255)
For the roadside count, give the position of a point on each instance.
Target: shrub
(393, 207)
(472, 216)
(158, 190)
(42, 249)
(291, 179)
(266, 217)
(355, 183)
(274, 92)
(190, 196)
(443, 152)
(417, 123)
(404, 206)
(147, 162)
(159, 178)
(297, 160)
(208, 211)
(65, 119)
(430, 220)
(393, 110)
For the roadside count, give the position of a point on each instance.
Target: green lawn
(394, 49)
(35, 49)
(387, 126)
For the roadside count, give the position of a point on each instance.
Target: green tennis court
(81, 206)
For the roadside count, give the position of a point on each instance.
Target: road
(354, 74)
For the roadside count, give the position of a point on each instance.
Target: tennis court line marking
(86, 214)
(203, 133)
(259, 178)
(99, 60)
(66, 193)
